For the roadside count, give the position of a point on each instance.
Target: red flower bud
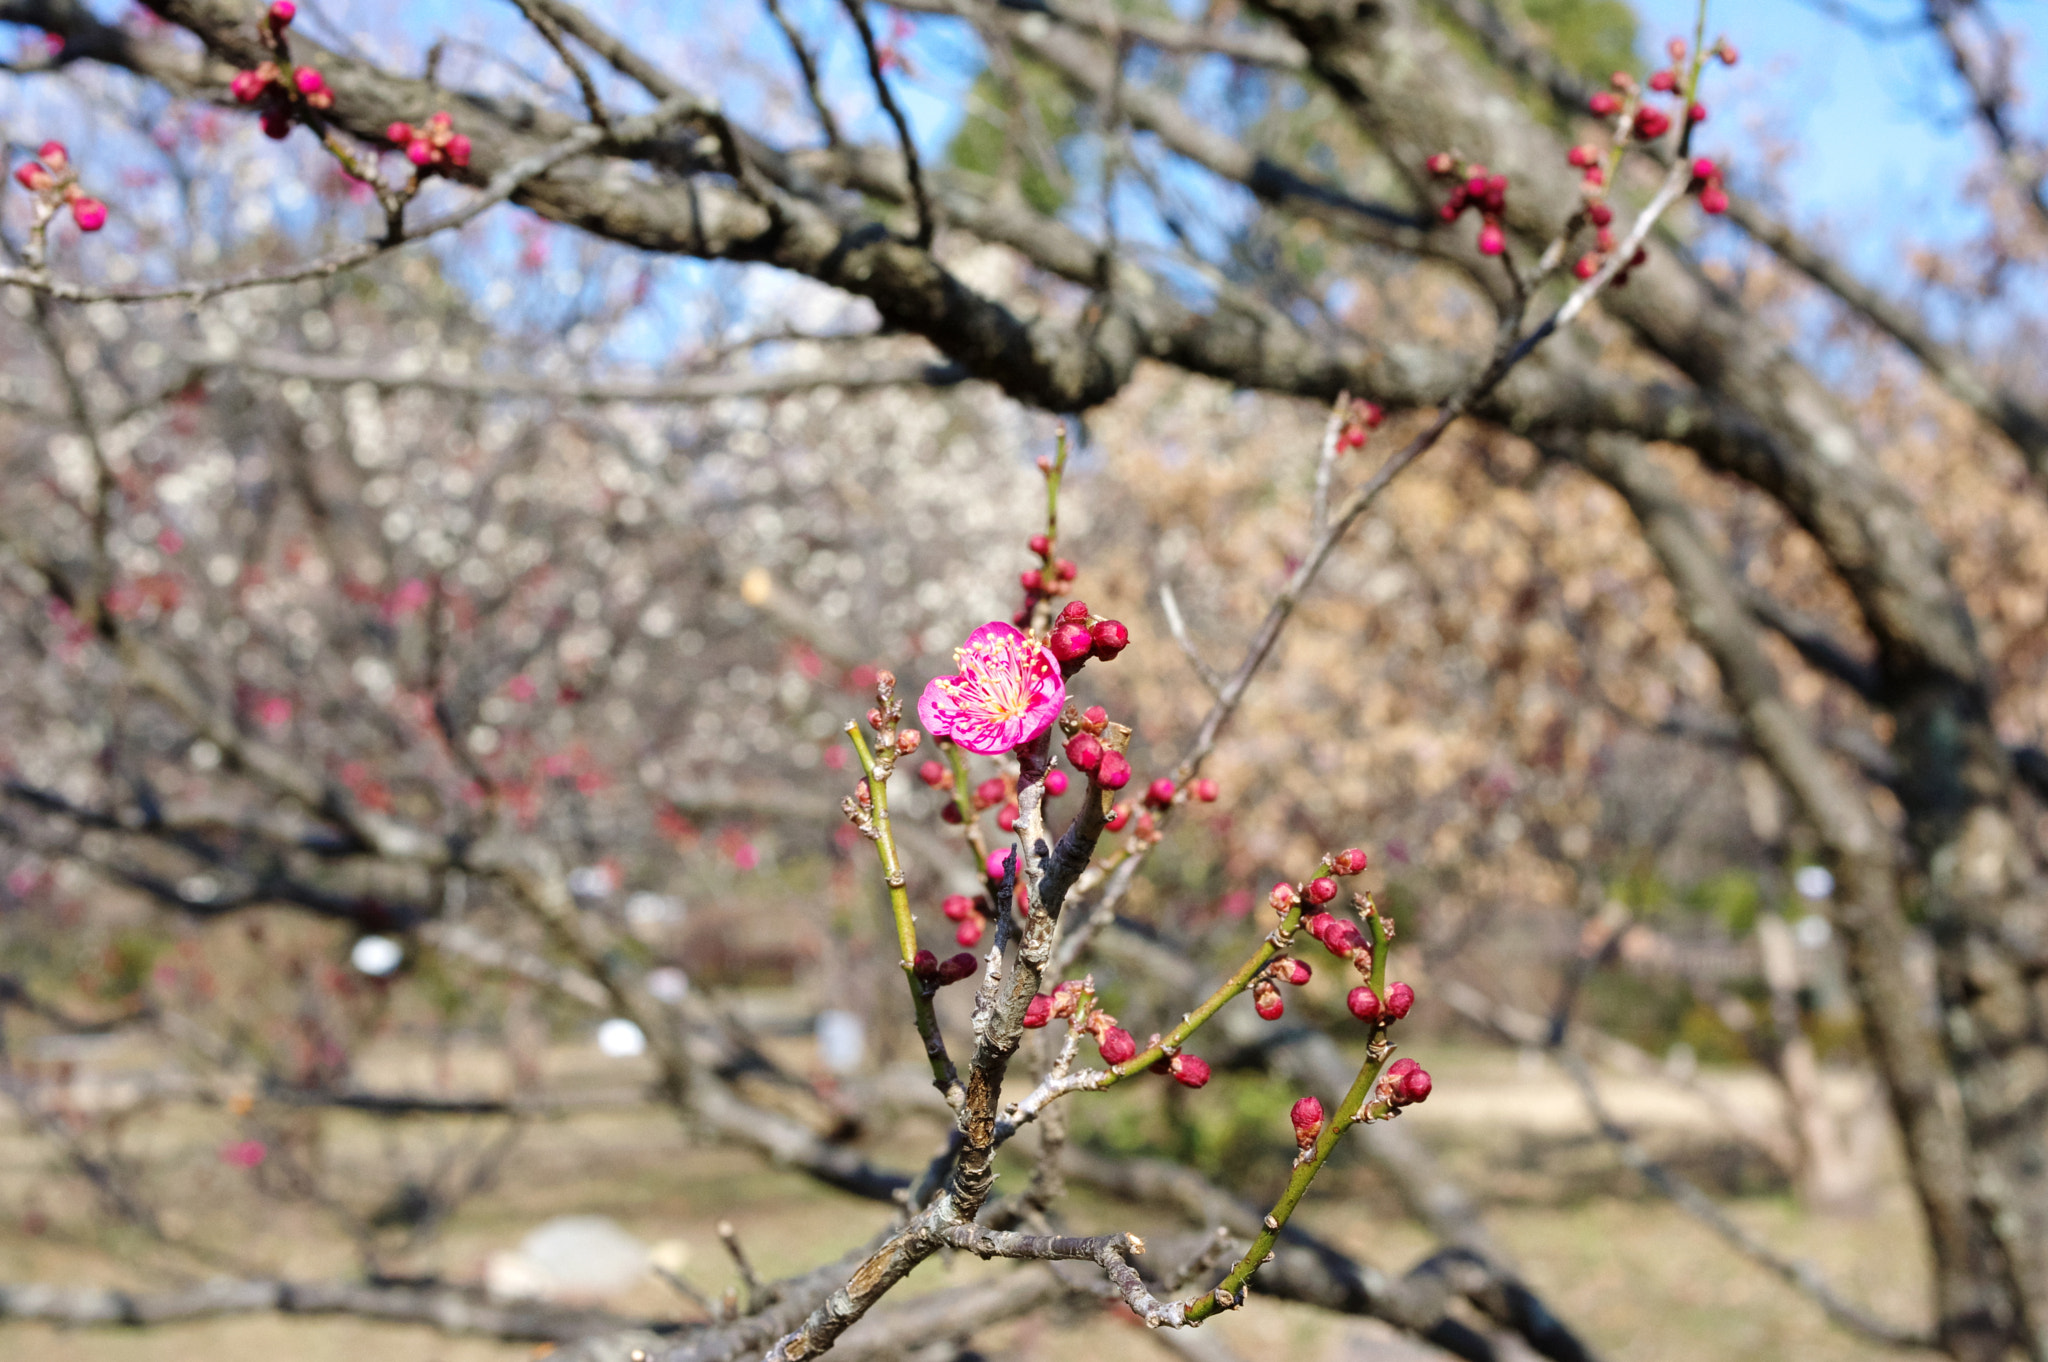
(1416, 1086)
(458, 150)
(1696, 114)
(1604, 105)
(1116, 1045)
(949, 812)
(925, 965)
(54, 154)
(1441, 164)
(1095, 716)
(1075, 612)
(1040, 545)
(1714, 200)
(1583, 155)
(1071, 642)
(1307, 1116)
(398, 133)
(1727, 53)
(1292, 971)
(1364, 1003)
(1664, 82)
(277, 126)
(1601, 214)
(89, 213)
(1038, 1011)
(1031, 579)
(1188, 1070)
(1283, 898)
(1055, 782)
(1402, 1067)
(989, 792)
(1318, 924)
(1652, 123)
(1084, 750)
(1400, 998)
(1006, 817)
(1065, 570)
(935, 774)
(1160, 793)
(957, 907)
(1585, 267)
(959, 967)
(1114, 771)
(32, 176)
(419, 151)
(1110, 638)
(309, 81)
(969, 932)
(1350, 861)
(1203, 789)
(1266, 1000)
(1322, 890)
(282, 13)
(1118, 816)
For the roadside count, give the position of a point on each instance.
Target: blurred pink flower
(1008, 692)
(245, 1153)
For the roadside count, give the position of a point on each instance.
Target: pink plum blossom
(1007, 693)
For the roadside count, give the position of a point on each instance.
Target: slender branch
(856, 10)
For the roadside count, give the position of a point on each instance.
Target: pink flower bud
(1601, 214)
(1292, 971)
(1604, 105)
(1075, 612)
(1322, 890)
(1203, 789)
(1652, 123)
(1160, 793)
(949, 813)
(1071, 642)
(1065, 570)
(419, 151)
(989, 792)
(1118, 816)
(1031, 579)
(1318, 924)
(1114, 772)
(969, 932)
(458, 150)
(1188, 1070)
(1491, 240)
(89, 214)
(1341, 938)
(1416, 1086)
(925, 965)
(999, 863)
(398, 134)
(1307, 1116)
(32, 176)
(1441, 164)
(1038, 1011)
(956, 968)
(1585, 267)
(1055, 782)
(935, 774)
(1583, 155)
(1040, 545)
(54, 155)
(1110, 638)
(1283, 898)
(1714, 200)
(1084, 750)
(1006, 817)
(1116, 1045)
(1350, 861)
(1664, 82)
(1400, 998)
(282, 12)
(309, 81)
(1095, 717)
(1696, 114)
(1727, 53)
(1266, 1000)
(957, 907)
(1364, 1003)
(246, 87)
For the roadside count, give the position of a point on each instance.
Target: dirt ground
(1639, 1278)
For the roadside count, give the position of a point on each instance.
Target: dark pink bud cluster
(1476, 189)
(1362, 418)
(970, 914)
(1307, 1116)
(53, 179)
(284, 91)
(1706, 182)
(1405, 1083)
(434, 145)
(1054, 576)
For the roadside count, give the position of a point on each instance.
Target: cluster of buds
(1075, 1000)
(433, 145)
(53, 179)
(1706, 182)
(1284, 969)
(1361, 419)
(937, 973)
(1476, 189)
(1052, 577)
(1106, 766)
(970, 914)
(1077, 636)
(1404, 1083)
(279, 86)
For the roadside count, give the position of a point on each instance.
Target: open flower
(1008, 692)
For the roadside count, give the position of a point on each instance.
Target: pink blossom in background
(245, 1153)
(521, 688)
(835, 757)
(1008, 692)
(408, 597)
(273, 711)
